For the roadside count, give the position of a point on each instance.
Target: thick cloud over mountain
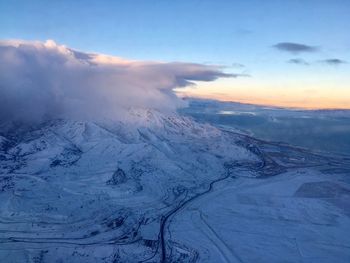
(45, 80)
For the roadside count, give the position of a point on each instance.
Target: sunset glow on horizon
(314, 97)
(279, 53)
(175, 131)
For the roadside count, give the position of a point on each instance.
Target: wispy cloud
(243, 32)
(333, 61)
(295, 48)
(238, 65)
(238, 75)
(298, 61)
(45, 80)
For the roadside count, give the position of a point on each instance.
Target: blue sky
(215, 32)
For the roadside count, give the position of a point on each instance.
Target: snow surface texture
(164, 188)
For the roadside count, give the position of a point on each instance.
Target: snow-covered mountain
(164, 188)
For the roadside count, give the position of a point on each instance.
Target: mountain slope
(83, 191)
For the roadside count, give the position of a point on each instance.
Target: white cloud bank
(40, 81)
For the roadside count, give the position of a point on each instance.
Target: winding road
(267, 166)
